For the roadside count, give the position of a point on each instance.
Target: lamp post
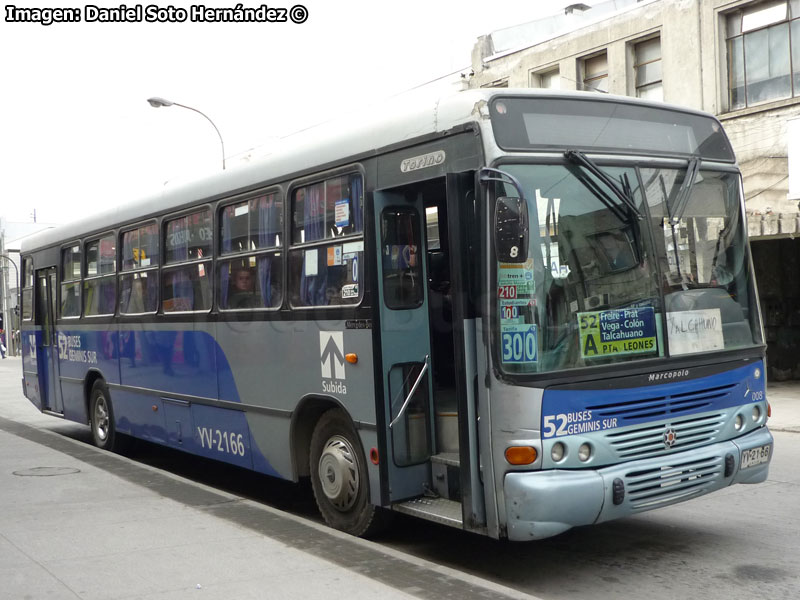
(7, 321)
(157, 102)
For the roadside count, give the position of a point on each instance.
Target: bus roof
(401, 118)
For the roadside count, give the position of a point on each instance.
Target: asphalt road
(739, 543)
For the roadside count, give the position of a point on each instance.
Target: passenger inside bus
(242, 294)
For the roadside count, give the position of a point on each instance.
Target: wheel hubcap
(101, 418)
(338, 473)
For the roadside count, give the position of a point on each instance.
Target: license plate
(756, 456)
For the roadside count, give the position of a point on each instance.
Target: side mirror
(511, 230)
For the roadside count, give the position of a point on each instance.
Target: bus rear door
(46, 343)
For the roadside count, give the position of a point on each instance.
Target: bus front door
(47, 344)
(405, 342)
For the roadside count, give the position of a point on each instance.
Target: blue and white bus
(513, 312)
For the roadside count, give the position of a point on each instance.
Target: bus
(508, 311)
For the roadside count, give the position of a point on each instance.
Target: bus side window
(188, 242)
(253, 280)
(326, 258)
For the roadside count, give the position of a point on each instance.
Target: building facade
(737, 59)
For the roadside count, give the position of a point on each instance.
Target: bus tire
(339, 477)
(101, 418)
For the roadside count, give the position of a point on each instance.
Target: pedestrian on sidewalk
(3, 343)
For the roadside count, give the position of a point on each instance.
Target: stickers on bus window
(615, 332)
(519, 343)
(515, 310)
(342, 213)
(515, 280)
(310, 263)
(334, 256)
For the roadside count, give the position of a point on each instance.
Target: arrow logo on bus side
(331, 354)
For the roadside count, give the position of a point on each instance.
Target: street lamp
(157, 102)
(7, 321)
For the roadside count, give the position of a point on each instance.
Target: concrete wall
(694, 70)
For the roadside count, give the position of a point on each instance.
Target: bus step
(447, 430)
(446, 476)
(439, 510)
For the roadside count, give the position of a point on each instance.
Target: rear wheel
(339, 477)
(101, 418)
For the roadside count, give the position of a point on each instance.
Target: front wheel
(339, 477)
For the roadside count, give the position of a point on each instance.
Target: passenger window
(27, 289)
(70, 282)
(139, 279)
(403, 285)
(326, 260)
(100, 283)
(253, 280)
(188, 244)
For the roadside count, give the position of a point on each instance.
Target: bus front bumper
(546, 503)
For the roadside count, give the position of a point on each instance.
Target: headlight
(585, 452)
(557, 452)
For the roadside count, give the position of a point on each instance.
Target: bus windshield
(665, 274)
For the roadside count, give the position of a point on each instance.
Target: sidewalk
(80, 523)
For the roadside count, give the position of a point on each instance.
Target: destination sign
(614, 332)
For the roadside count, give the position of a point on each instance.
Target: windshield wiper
(623, 193)
(685, 191)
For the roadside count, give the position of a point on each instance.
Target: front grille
(652, 488)
(632, 411)
(647, 440)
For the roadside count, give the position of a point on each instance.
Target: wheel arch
(304, 419)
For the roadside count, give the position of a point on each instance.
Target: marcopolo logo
(332, 362)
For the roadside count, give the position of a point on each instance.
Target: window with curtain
(763, 41)
(647, 69)
(100, 281)
(327, 245)
(138, 281)
(595, 73)
(70, 305)
(188, 242)
(250, 233)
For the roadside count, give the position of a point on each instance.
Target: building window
(763, 53)
(497, 83)
(548, 80)
(595, 73)
(647, 69)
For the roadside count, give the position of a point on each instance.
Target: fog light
(557, 452)
(739, 423)
(756, 413)
(585, 452)
(757, 373)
